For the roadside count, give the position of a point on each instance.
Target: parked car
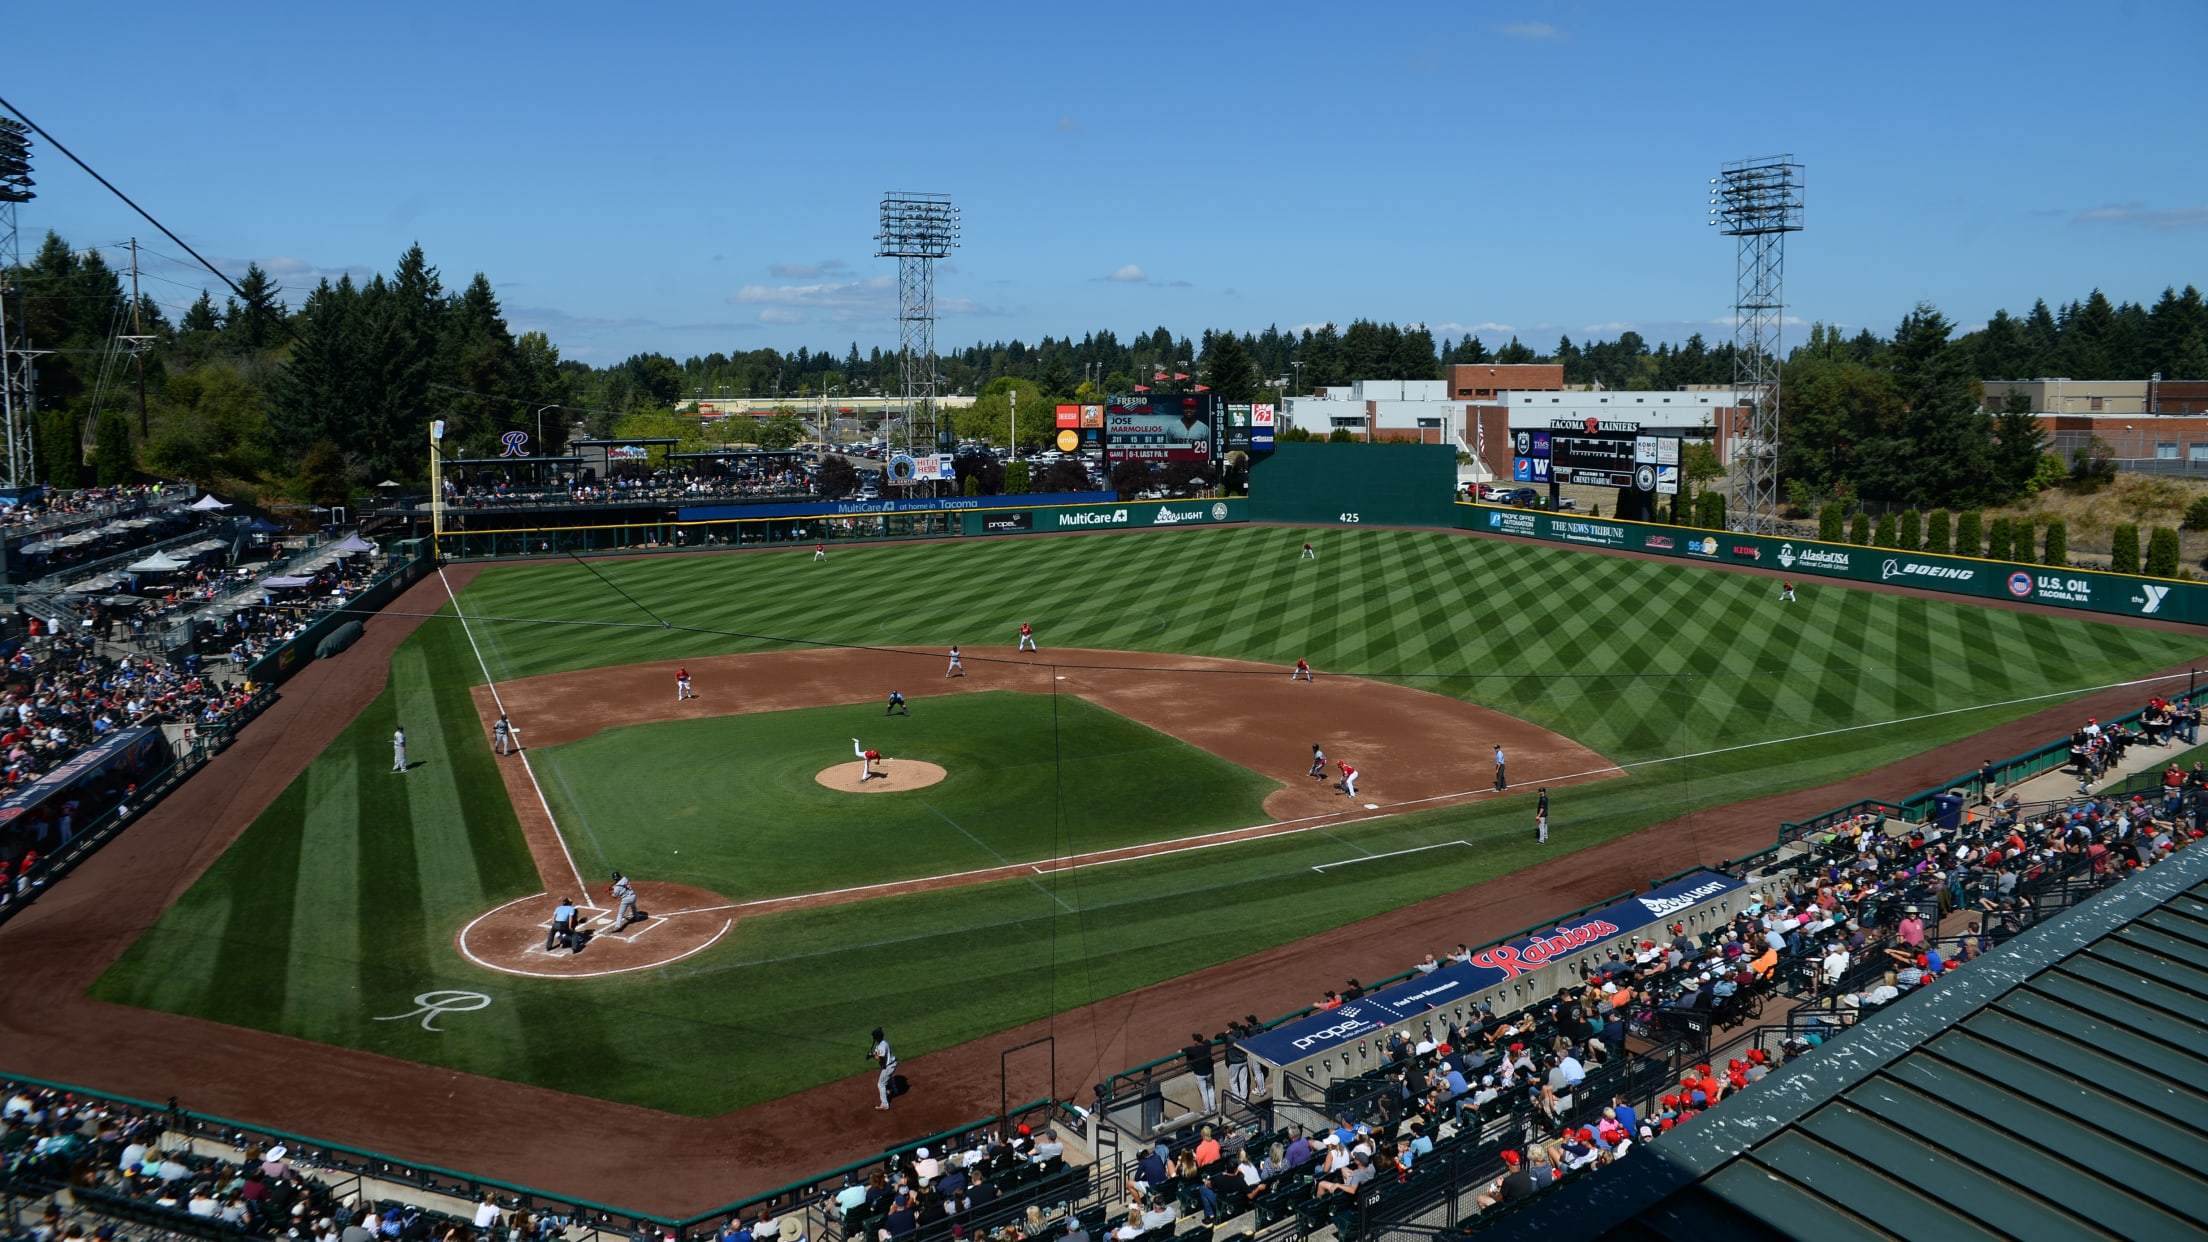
(1525, 497)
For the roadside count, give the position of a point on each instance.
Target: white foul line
(581, 885)
(1420, 849)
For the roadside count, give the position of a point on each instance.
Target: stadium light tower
(917, 229)
(1759, 202)
(15, 354)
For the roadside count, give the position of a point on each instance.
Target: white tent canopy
(208, 501)
(158, 563)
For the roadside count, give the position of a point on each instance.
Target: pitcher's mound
(890, 776)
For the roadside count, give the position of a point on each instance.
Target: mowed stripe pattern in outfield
(1636, 659)
(1641, 660)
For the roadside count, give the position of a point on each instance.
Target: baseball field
(1128, 805)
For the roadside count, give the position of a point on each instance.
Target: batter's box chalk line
(1418, 849)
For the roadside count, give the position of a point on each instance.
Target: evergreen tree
(1970, 534)
(2123, 549)
(2058, 543)
(2000, 540)
(2162, 553)
(1829, 522)
(1885, 536)
(1859, 532)
(113, 461)
(1227, 368)
(1910, 536)
(260, 315)
(1936, 536)
(2019, 443)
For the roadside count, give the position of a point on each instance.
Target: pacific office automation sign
(1489, 968)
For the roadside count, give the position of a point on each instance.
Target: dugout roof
(2057, 1087)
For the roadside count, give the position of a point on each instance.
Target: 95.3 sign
(1350, 518)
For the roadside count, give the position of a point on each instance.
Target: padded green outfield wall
(1317, 482)
(2085, 590)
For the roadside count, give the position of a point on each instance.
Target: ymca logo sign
(2152, 602)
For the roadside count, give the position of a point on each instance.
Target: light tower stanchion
(1757, 202)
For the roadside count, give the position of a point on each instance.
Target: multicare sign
(1489, 968)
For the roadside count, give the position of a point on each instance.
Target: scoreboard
(1592, 452)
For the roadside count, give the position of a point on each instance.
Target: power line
(93, 173)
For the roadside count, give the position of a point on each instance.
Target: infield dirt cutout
(1413, 749)
(890, 776)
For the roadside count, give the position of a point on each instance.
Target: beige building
(2068, 396)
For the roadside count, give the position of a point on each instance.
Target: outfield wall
(1321, 483)
(2083, 590)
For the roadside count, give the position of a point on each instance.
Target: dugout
(1299, 1060)
(1386, 483)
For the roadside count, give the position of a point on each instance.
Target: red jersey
(682, 674)
(1026, 629)
(1346, 769)
(873, 754)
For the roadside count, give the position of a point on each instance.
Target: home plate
(1372, 806)
(1061, 677)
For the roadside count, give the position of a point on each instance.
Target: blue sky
(689, 178)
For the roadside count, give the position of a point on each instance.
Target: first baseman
(1349, 779)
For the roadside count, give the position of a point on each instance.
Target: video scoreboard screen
(1590, 452)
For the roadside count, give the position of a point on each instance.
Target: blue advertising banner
(1497, 964)
(857, 508)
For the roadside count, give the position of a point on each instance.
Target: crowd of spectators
(82, 502)
(128, 1163)
(926, 1192)
(625, 486)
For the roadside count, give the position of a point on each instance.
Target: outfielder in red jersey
(1303, 671)
(1027, 637)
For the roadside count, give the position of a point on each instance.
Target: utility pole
(1015, 395)
(138, 342)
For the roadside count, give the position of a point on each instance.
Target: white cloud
(804, 271)
(1467, 329)
(2137, 213)
(777, 314)
(871, 300)
(1131, 273)
(1531, 30)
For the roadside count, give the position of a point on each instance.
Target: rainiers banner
(2082, 590)
(1158, 428)
(1490, 967)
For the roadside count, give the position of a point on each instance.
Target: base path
(51, 953)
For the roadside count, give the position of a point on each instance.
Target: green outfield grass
(729, 803)
(339, 904)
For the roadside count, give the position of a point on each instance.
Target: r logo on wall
(433, 1004)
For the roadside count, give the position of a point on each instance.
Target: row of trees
(247, 393)
(2019, 540)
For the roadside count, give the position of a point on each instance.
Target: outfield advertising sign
(2057, 586)
(1131, 515)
